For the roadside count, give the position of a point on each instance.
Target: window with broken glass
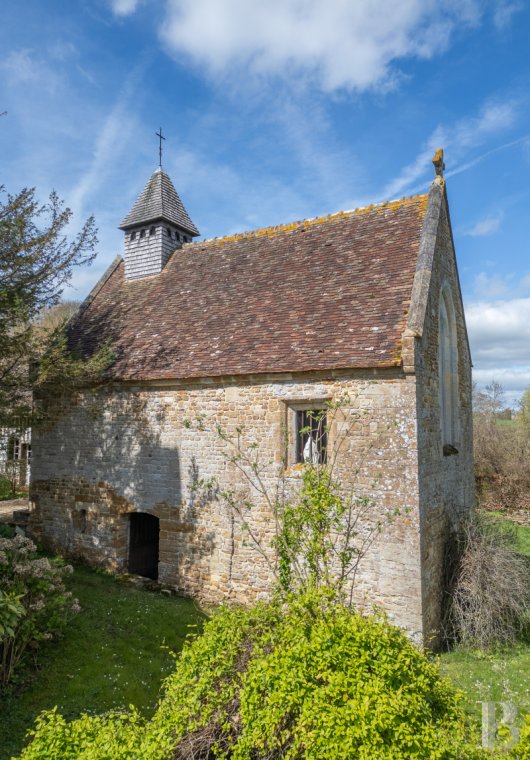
(311, 436)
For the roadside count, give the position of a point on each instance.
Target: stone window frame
(448, 364)
(292, 409)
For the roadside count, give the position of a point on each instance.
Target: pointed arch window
(448, 373)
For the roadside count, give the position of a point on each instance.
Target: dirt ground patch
(7, 508)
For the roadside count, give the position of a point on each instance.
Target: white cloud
(511, 379)
(502, 16)
(493, 117)
(111, 139)
(490, 286)
(25, 68)
(486, 226)
(420, 167)
(338, 43)
(524, 141)
(231, 196)
(124, 7)
(499, 332)
(457, 139)
(525, 282)
(21, 67)
(493, 286)
(499, 335)
(62, 50)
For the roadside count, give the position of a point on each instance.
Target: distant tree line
(501, 449)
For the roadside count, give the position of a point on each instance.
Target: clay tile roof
(313, 295)
(159, 200)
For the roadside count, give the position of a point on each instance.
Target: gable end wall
(446, 482)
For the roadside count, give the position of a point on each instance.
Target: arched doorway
(144, 532)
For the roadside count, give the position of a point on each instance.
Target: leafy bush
(491, 586)
(34, 604)
(7, 531)
(310, 679)
(521, 751)
(115, 736)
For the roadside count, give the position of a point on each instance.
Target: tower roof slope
(319, 294)
(159, 200)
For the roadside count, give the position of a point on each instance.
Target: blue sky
(276, 110)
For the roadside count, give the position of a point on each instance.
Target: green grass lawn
(501, 676)
(113, 654)
(523, 538)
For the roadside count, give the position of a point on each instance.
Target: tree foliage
(37, 259)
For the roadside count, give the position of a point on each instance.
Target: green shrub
(7, 531)
(310, 679)
(11, 611)
(521, 751)
(34, 605)
(114, 736)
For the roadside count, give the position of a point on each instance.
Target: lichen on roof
(419, 200)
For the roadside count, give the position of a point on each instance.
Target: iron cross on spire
(160, 138)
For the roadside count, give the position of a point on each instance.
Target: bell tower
(156, 225)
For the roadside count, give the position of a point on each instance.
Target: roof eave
(126, 226)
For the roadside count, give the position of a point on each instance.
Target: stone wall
(155, 448)
(446, 481)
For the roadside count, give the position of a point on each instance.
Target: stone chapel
(257, 332)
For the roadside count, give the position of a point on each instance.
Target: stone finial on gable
(438, 162)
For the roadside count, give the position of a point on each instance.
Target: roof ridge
(162, 190)
(295, 225)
